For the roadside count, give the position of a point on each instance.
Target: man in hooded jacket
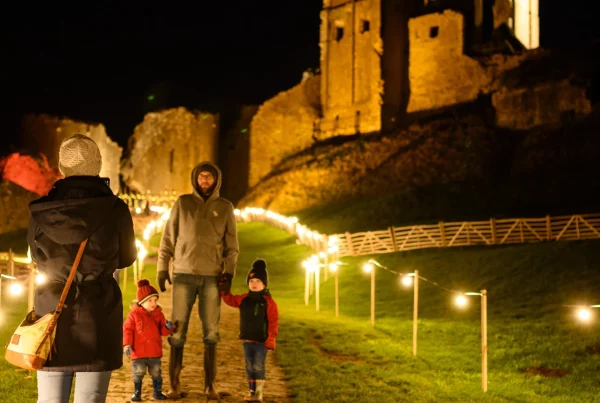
(200, 238)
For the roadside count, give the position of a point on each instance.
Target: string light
(407, 281)
(368, 267)
(15, 289)
(461, 301)
(584, 314)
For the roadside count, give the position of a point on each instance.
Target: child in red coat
(142, 341)
(259, 322)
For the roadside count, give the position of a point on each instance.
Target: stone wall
(166, 146)
(549, 103)
(440, 74)
(44, 134)
(351, 48)
(442, 151)
(283, 126)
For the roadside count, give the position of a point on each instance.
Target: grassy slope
(344, 359)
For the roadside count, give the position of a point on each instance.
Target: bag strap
(63, 296)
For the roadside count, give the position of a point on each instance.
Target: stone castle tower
(366, 46)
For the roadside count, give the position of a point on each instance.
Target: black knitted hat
(259, 271)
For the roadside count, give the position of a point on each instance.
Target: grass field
(345, 359)
(538, 352)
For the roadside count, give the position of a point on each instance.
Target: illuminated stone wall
(166, 146)
(44, 134)
(440, 74)
(351, 49)
(283, 126)
(547, 104)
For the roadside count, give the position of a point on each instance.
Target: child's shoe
(250, 396)
(258, 394)
(137, 392)
(158, 395)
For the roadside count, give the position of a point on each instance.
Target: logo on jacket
(215, 214)
(251, 275)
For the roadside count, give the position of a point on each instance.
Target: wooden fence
(441, 235)
(398, 239)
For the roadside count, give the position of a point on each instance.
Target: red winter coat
(142, 331)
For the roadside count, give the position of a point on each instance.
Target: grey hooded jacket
(200, 237)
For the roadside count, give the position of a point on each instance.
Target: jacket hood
(71, 220)
(196, 171)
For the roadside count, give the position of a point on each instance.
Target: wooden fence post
(349, 242)
(393, 236)
(442, 233)
(11, 263)
(493, 228)
(548, 228)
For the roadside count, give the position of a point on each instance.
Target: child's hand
(224, 283)
(270, 343)
(169, 325)
(127, 350)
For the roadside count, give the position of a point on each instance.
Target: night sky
(112, 62)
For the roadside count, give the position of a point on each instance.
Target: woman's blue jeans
(55, 387)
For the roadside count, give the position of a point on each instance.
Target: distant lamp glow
(368, 267)
(138, 210)
(407, 281)
(322, 255)
(306, 264)
(40, 278)
(584, 314)
(461, 300)
(333, 267)
(15, 289)
(142, 254)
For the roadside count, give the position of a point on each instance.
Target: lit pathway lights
(312, 265)
(584, 313)
(461, 301)
(14, 288)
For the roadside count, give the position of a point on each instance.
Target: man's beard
(208, 190)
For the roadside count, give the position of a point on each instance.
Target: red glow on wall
(34, 175)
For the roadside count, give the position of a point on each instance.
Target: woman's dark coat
(89, 333)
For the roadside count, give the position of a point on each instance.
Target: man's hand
(270, 343)
(163, 277)
(225, 283)
(127, 350)
(169, 325)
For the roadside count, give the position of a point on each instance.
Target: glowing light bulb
(333, 266)
(306, 264)
(584, 314)
(322, 255)
(15, 289)
(138, 210)
(461, 300)
(368, 267)
(40, 278)
(407, 281)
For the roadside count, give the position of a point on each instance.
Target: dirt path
(231, 376)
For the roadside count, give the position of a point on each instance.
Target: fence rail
(441, 235)
(398, 239)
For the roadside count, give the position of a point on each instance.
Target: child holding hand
(259, 322)
(142, 341)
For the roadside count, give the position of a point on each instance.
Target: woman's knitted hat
(79, 156)
(145, 291)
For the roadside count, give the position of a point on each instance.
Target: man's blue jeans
(139, 369)
(186, 287)
(55, 387)
(255, 355)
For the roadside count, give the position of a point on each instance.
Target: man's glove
(127, 350)
(163, 277)
(270, 343)
(225, 283)
(169, 325)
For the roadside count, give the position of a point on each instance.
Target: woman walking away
(89, 332)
